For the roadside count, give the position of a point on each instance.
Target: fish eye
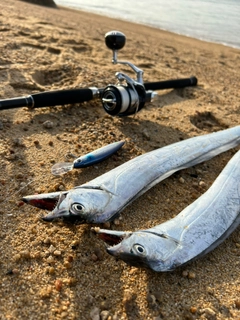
(77, 208)
(139, 249)
(79, 160)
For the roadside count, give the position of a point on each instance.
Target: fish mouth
(45, 201)
(58, 213)
(54, 215)
(63, 215)
(115, 247)
(112, 238)
(51, 202)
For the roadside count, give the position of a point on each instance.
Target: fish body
(194, 232)
(104, 197)
(88, 159)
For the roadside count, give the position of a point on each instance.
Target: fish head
(81, 205)
(141, 249)
(83, 161)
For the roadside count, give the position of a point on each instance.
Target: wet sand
(60, 271)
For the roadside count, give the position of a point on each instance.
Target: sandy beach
(61, 271)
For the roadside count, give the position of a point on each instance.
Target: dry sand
(58, 271)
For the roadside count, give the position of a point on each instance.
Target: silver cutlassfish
(104, 197)
(194, 232)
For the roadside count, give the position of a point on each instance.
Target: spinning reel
(128, 96)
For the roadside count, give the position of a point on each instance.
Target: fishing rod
(125, 98)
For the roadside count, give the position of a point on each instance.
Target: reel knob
(115, 40)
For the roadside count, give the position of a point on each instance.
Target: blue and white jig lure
(88, 159)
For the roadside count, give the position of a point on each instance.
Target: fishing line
(18, 191)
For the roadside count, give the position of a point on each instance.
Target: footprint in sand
(78, 46)
(207, 121)
(57, 74)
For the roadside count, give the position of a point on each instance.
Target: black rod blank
(171, 84)
(48, 99)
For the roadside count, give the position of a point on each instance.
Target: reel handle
(115, 40)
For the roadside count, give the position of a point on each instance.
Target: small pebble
(99, 253)
(50, 259)
(104, 305)
(47, 241)
(209, 313)
(12, 271)
(95, 313)
(72, 281)
(15, 271)
(94, 257)
(36, 142)
(25, 254)
(48, 124)
(181, 180)
(61, 187)
(210, 290)
(106, 225)
(57, 253)
(58, 285)
(104, 314)
(116, 222)
(64, 314)
(191, 275)
(38, 255)
(75, 243)
(146, 134)
(17, 257)
(185, 273)
(237, 303)
(67, 264)
(51, 249)
(70, 259)
(202, 184)
(115, 317)
(45, 292)
(133, 270)
(193, 310)
(51, 270)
